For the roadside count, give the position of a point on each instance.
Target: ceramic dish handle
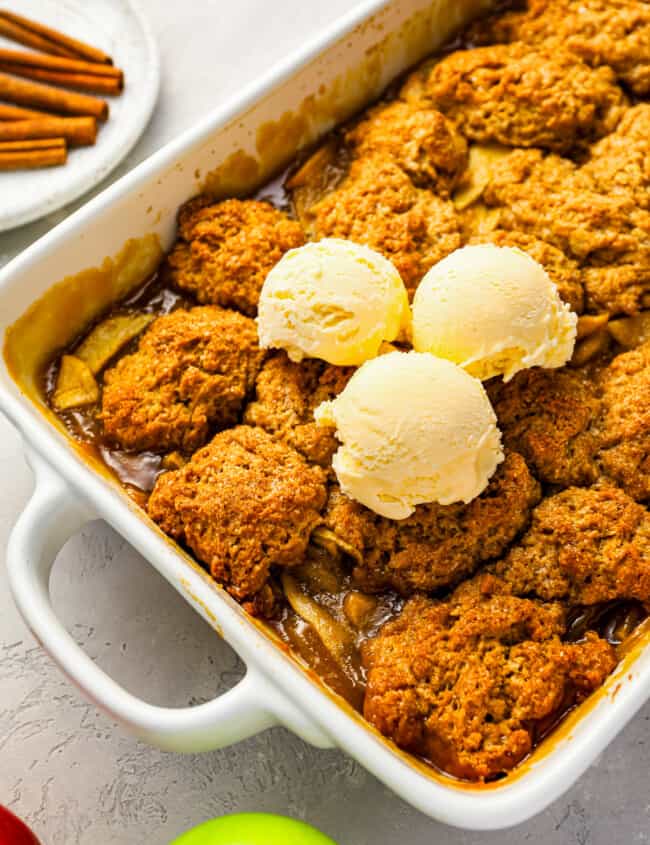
(53, 515)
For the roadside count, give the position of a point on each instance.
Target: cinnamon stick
(28, 32)
(16, 113)
(31, 39)
(21, 155)
(78, 131)
(59, 63)
(24, 93)
(108, 85)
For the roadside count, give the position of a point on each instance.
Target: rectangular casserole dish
(113, 244)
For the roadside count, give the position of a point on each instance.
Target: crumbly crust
(600, 32)
(548, 416)
(438, 545)
(584, 546)
(227, 248)
(466, 682)
(617, 163)
(286, 396)
(522, 97)
(189, 377)
(377, 205)
(574, 426)
(243, 504)
(422, 142)
(625, 450)
(606, 232)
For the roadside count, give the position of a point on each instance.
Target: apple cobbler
(466, 631)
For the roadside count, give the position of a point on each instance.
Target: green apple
(253, 829)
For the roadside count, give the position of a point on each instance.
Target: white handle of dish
(54, 514)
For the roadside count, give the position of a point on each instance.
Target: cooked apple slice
(590, 346)
(321, 573)
(359, 607)
(590, 324)
(336, 637)
(332, 543)
(318, 175)
(479, 221)
(480, 167)
(631, 331)
(108, 337)
(75, 385)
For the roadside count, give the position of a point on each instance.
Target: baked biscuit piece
(548, 169)
(573, 427)
(422, 142)
(625, 450)
(227, 248)
(601, 32)
(286, 395)
(438, 544)
(243, 504)
(548, 416)
(521, 97)
(584, 546)
(607, 233)
(620, 162)
(189, 377)
(465, 683)
(621, 289)
(193, 211)
(563, 271)
(377, 205)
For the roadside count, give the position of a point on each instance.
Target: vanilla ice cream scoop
(413, 428)
(494, 311)
(334, 300)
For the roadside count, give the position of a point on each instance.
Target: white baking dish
(238, 145)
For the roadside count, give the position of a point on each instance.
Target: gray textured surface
(75, 776)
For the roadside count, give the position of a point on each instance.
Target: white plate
(119, 28)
